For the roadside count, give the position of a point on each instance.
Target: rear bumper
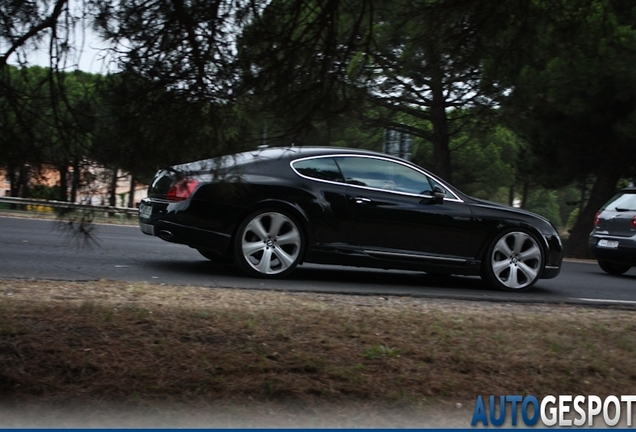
(147, 228)
(166, 225)
(193, 237)
(550, 272)
(624, 254)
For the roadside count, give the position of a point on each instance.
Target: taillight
(634, 221)
(182, 190)
(597, 219)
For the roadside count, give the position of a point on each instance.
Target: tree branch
(49, 22)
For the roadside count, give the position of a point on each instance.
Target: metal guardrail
(69, 205)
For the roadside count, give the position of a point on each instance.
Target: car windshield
(622, 202)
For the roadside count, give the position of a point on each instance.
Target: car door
(331, 223)
(396, 214)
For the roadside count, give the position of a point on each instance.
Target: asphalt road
(40, 249)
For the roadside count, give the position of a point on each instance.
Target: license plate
(612, 244)
(145, 211)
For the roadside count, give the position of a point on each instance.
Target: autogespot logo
(562, 410)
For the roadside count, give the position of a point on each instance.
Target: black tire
(613, 269)
(514, 261)
(269, 243)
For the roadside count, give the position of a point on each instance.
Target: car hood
(517, 210)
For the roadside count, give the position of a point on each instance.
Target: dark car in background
(613, 239)
(272, 209)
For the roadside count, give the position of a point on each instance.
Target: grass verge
(145, 345)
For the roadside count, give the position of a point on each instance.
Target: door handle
(362, 200)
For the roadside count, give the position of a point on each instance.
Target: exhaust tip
(165, 234)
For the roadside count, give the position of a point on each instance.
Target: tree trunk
(18, 182)
(511, 196)
(63, 169)
(131, 193)
(526, 193)
(76, 179)
(441, 140)
(23, 181)
(14, 184)
(603, 189)
(112, 192)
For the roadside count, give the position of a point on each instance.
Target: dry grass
(148, 345)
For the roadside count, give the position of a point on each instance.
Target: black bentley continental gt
(271, 209)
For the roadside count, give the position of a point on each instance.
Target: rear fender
(292, 208)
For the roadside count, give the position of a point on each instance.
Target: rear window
(162, 182)
(319, 168)
(622, 201)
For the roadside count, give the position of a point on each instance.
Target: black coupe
(272, 209)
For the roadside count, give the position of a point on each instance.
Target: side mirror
(439, 194)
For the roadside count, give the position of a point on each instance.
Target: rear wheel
(514, 261)
(269, 243)
(613, 269)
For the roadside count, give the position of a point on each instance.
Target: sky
(89, 55)
(88, 52)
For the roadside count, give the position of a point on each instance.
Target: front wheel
(514, 261)
(268, 243)
(613, 269)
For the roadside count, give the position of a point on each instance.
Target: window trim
(454, 198)
(343, 182)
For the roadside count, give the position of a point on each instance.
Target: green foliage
(572, 218)
(574, 98)
(545, 203)
(44, 192)
(569, 199)
(484, 165)
(46, 118)
(484, 162)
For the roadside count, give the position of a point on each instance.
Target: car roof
(293, 152)
(263, 154)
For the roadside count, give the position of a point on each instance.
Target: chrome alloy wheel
(271, 243)
(516, 261)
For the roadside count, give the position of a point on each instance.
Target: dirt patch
(126, 354)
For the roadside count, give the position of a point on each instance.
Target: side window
(319, 168)
(383, 174)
